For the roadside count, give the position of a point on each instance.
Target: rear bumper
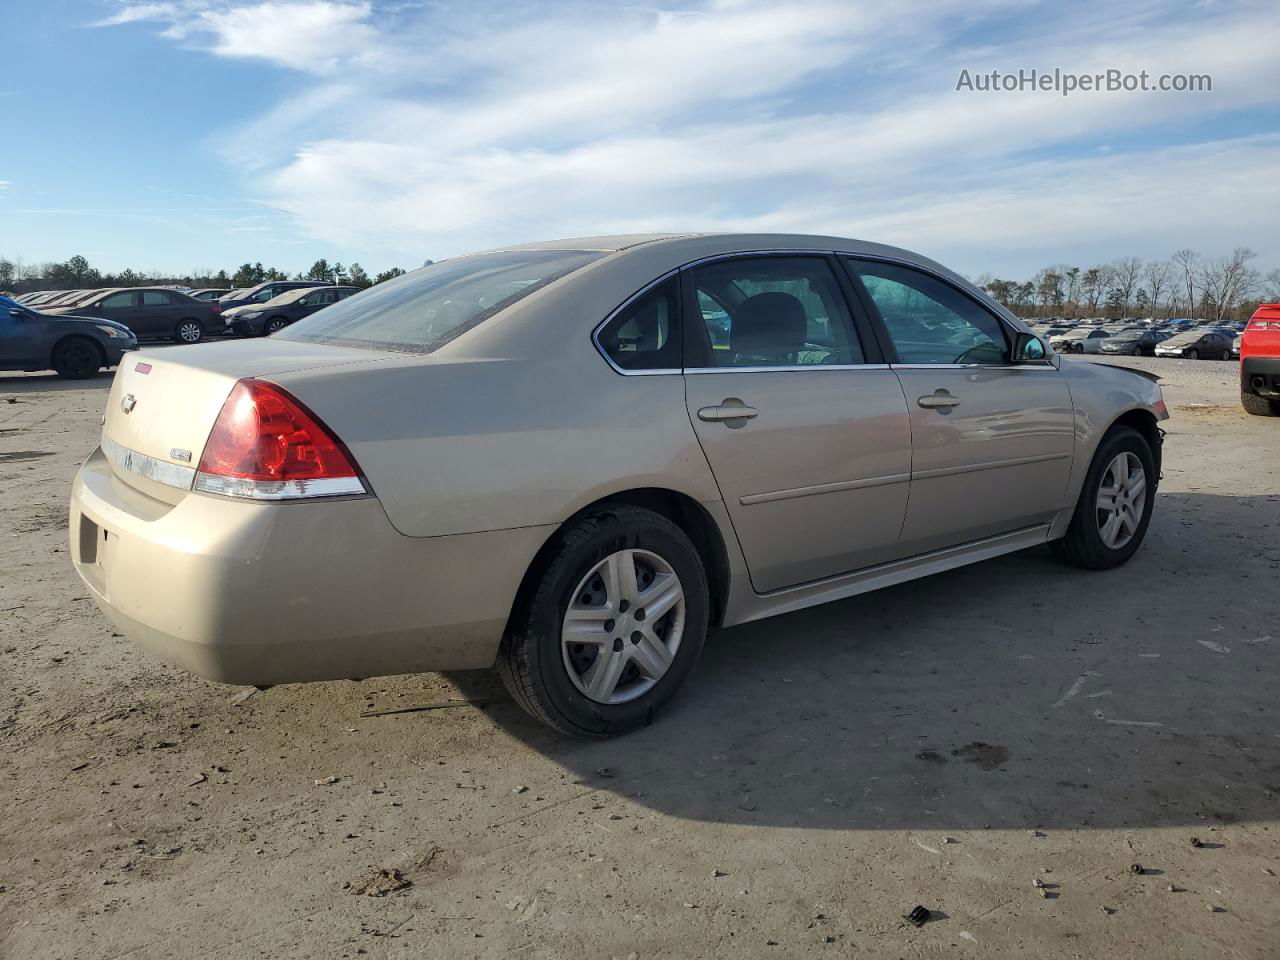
(255, 593)
(1261, 375)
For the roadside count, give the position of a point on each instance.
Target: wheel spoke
(1110, 530)
(601, 679)
(1137, 484)
(663, 594)
(651, 655)
(628, 589)
(1120, 469)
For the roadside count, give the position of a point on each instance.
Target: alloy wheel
(189, 331)
(1122, 498)
(623, 626)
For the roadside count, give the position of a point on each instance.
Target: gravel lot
(946, 743)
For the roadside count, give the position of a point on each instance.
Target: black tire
(1192, 354)
(530, 661)
(274, 325)
(1226, 354)
(1135, 352)
(1259, 406)
(188, 331)
(1082, 546)
(76, 358)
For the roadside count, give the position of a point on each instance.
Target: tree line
(77, 273)
(1187, 284)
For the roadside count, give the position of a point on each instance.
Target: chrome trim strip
(823, 488)
(795, 368)
(161, 471)
(1036, 365)
(595, 334)
(278, 489)
(989, 465)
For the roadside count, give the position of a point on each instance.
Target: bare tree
(1072, 277)
(1186, 260)
(1094, 285)
(1228, 280)
(1159, 275)
(1124, 280)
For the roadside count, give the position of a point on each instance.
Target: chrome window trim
(161, 471)
(1030, 365)
(791, 368)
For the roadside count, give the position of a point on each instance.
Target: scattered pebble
(521, 789)
(325, 781)
(379, 882)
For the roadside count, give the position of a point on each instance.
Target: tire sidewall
(1120, 440)
(546, 620)
(76, 373)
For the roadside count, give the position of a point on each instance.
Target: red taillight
(267, 446)
(216, 308)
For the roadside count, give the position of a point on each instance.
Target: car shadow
(1013, 693)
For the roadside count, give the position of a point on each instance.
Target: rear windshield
(423, 310)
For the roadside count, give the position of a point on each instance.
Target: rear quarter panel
(461, 446)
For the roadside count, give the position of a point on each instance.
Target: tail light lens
(216, 308)
(265, 445)
(1264, 325)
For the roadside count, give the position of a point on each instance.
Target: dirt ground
(947, 743)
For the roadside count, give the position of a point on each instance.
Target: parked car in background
(422, 477)
(73, 347)
(265, 291)
(1196, 344)
(1136, 343)
(1235, 346)
(209, 293)
(259, 320)
(1260, 362)
(1080, 340)
(153, 312)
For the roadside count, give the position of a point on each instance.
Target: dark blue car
(74, 347)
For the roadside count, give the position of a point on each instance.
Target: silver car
(571, 460)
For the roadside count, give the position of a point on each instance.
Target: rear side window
(645, 334)
(931, 321)
(155, 298)
(422, 311)
(118, 300)
(772, 312)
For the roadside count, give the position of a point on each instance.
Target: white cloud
(435, 130)
(134, 12)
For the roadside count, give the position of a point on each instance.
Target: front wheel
(188, 331)
(612, 625)
(274, 325)
(76, 358)
(1192, 354)
(1226, 354)
(1115, 505)
(1135, 352)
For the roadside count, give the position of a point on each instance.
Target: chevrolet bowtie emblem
(128, 402)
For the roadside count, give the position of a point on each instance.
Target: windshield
(423, 310)
(290, 296)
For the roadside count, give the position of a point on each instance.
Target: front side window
(262, 296)
(644, 335)
(422, 311)
(772, 312)
(117, 301)
(929, 320)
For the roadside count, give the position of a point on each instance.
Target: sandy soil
(946, 743)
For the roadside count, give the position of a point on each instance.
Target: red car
(1260, 362)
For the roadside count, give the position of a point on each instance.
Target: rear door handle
(730, 409)
(939, 399)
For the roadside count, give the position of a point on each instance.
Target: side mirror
(1028, 348)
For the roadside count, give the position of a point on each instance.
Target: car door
(122, 307)
(158, 314)
(314, 301)
(19, 335)
(992, 442)
(805, 429)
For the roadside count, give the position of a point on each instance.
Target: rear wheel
(275, 324)
(1115, 505)
(188, 331)
(76, 358)
(612, 625)
(1259, 406)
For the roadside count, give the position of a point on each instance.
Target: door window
(117, 301)
(644, 335)
(929, 320)
(156, 298)
(772, 312)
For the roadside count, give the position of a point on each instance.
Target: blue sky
(186, 134)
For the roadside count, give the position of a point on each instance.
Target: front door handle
(940, 399)
(731, 408)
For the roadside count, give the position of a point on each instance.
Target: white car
(1080, 340)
